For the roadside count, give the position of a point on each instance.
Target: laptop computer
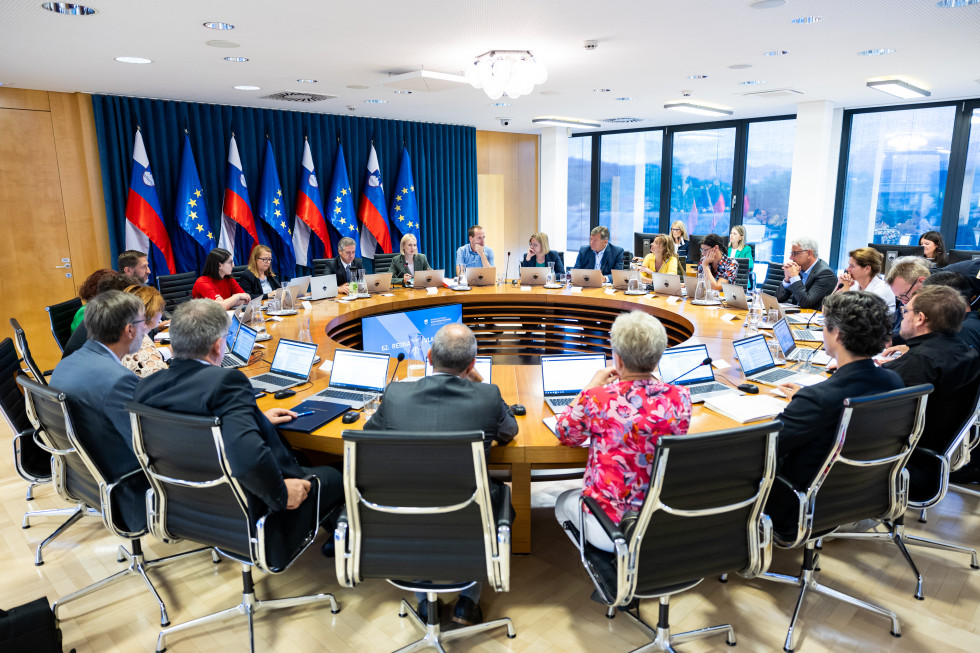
(771, 304)
(667, 284)
(378, 283)
(621, 279)
(682, 366)
(285, 298)
(291, 366)
(534, 276)
(690, 286)
(484, 366)
(356, 377)
(792, 352)
(805, 334)
(428, 279)
(735, 296)
(481, 276)
(564, 376)
(323, 287)
(240, 347)
(587, 278)
(299, 285)
(757, 364)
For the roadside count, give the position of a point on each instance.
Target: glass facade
(765, 196)
(579, 192)
(629, 184)
(702, 167)
(968, 215)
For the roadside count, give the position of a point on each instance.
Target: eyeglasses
(796, 252)
(675, 228)
(906, 296)
(266, 260)
(138, 321)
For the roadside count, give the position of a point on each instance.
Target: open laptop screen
(682, 365)
(484, 366)
(294, 358)
(244, 342)
(232, 330)
(784, 335)
(359, 370)
(753, 354)
(562, 375)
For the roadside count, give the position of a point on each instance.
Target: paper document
(745, 408)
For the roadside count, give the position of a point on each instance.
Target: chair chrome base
(434, 637)
(74, 514)
(138, 566)
(248, 607)
(663, 640)
(807, 581)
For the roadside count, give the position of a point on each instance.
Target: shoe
(467, 612)
(328, 548)
(423, 610)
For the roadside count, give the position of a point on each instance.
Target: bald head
(453, 349)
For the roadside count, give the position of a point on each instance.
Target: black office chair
(176, 288)
(382, 262)
(238, 271)
(30, 461)
(61, 316)
(419, 506)
(20, 342)
(702, 516)
(861, 478)
(627, 259)
(193, 495)
(320, 266)
(78, 477)
(928, 483)
(774, 279)
(742, 276)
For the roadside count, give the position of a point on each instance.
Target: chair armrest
(610, 527)
(503, 510)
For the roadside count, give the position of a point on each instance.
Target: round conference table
(514, 325)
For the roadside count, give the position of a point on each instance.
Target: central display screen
(390, 333)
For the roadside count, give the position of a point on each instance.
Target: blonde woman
(660, 259)
(405, 265)
(148, 359)
(678, 233)
(539, 254)
(259, 280)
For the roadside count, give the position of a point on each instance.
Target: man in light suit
(806, 278)
(452, 399)
(343, 263)
(97, 387)
(599, 254)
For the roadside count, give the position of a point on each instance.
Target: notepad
(323, 412)
(745, 408)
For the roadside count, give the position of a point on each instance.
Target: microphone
(401, 357)
(507, 267)
(706, 361)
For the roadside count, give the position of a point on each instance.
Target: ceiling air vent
(774, 94)
(623, 120)
(298, 96)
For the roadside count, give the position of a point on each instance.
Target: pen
(304, 414)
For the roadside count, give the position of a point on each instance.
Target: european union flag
(404, 209)
(341, 205)
(195, 238)
(275, 217)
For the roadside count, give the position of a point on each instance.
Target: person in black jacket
(342, 264)
(259, 280)
(539, 254)
(408, 262)
(807, 279)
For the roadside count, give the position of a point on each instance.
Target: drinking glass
(633, 286)
(371, 407)
(550, 280)
(303, 329)
(772, 317)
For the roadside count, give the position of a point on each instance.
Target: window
(765, 198)
(897, 164)
(702, 166)
(629, 184)
(579, 192)
(968, 217)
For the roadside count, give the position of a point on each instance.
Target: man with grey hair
(97, 386)
(599, 254)
(451, 399)
(905, 278)
(806, 278)
(196, 384)
(344, 263)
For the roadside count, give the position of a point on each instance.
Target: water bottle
(701, 291)
(756, 311)
(415, 358)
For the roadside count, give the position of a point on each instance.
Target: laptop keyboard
(801, 355)
(804, 334)
(228, 361)
(344, 394)
(705, 388)
(561, 401)
(773, 375)
(273, 380)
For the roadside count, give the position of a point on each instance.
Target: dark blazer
(443, 402)
(77, 340)
(552, 257)
(819, 283)
(399, 270)
(259, 458)
(251, 284)
(336, 266)
(611, 260)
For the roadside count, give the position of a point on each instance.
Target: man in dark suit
(197, 384)
(856, 327)
(97, 387)
(452, 399)
(599, 254)
(343, 263)
(807, 279)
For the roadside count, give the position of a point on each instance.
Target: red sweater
(208, 288)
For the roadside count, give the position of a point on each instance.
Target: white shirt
(882, 289)
(598, 257)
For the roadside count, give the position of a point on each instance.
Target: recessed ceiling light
(68, 9)
(500, 104)
(218, 43)
(740, 66)
(245, 87)
(403, 92)
(236, 59)
(899, 88)
(216, 25)
(877, 52)
(625, 99)
(559, 121)
(697, 77)
(375, 101)
(806, 20)
(306, 81)
(133, 60)
(767, 4)
(752, 82)
(601, 90)
(949, 4)
(357, 87)
(699, 109)
(775, 53)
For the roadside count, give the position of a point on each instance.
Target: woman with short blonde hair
(408, 262)
(539, 254)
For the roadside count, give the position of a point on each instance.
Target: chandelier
(506, 72)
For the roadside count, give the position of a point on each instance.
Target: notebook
(791, 352)
(240, 349)
(667, 284)
(323, 286)
(378, 283)
(291, 366)
(564, 376)
(484, 366)
(682, 366)
(758, 366)
(735, 296)
(771, 304)
(323, 412)
(587, 278)
(356, 378)
(750, 408)
(481, 276)
(531, 276)
(428, 279)
(298, 286)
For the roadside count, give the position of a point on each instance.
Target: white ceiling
(647, 49)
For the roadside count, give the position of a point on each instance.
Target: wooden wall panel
(22, 98)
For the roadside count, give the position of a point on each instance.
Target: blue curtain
(443, 158)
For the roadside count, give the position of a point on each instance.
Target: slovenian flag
(404, 207)
(145, 231)
(341, 205)
(275, 220)
(372, 212)
(236, 211)
(309, 214)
